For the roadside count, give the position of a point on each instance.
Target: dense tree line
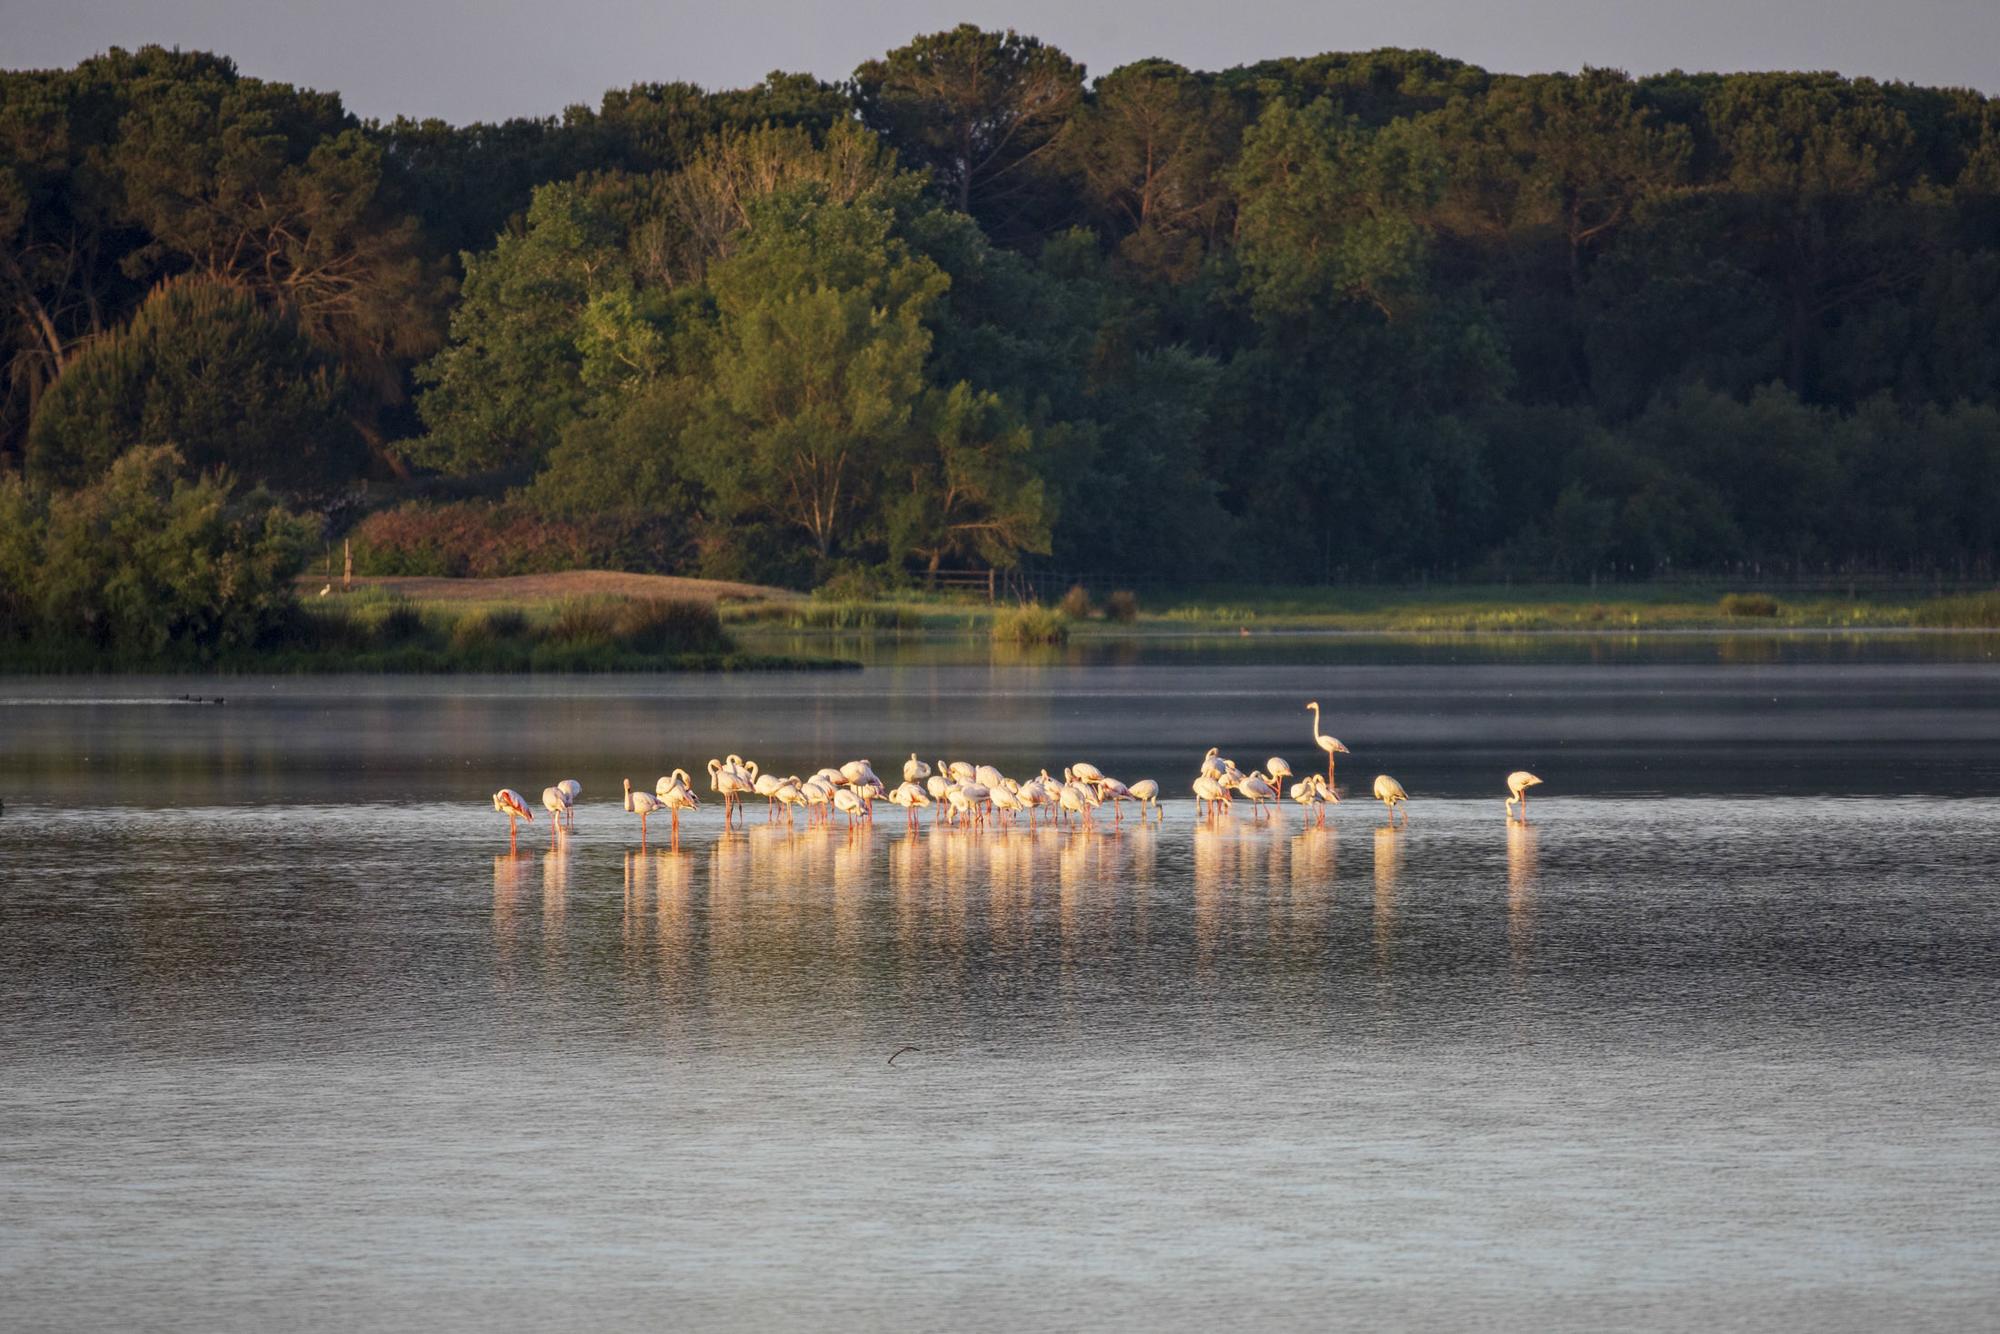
(1346, 316)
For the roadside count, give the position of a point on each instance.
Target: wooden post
(346, 564)
(991, 577)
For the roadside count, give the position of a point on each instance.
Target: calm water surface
(289, 1039)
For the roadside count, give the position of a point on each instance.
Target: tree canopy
(1347, 315)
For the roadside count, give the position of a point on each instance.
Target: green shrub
(397, 623)
(1030, 623)
(1749, 604)
(1075, 604)
(1122, 606)
(147, 563)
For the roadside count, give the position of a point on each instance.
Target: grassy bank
(379, 632)
(1458, 609)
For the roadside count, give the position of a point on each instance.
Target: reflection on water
(1521, 838)
(309, 1052)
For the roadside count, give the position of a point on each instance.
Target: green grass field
(1459, 609)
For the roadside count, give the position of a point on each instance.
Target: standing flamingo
(509, 803)
(915, 770)
(1147, 793)
(1390, 793)
(556, 802)
(642, 804)
(574, 791)
(676, 793)
(1331, 745)
(1518, 784)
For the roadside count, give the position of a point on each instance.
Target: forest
(1351, 317)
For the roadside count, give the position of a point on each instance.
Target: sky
(467, 60)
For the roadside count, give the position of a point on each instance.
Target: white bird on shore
(1331, 745)
(1390, 793)
(1277, 770)
(1518, 784)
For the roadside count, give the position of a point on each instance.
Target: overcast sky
(489, 59)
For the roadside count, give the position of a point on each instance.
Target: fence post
(346, 565)
(992, 577)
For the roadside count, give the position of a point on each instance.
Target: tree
(982, 111)
(148, 562)
(1151, 145)
(818, 368)
(205, 367)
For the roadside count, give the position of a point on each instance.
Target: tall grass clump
(1749, 604)
(1969, 611)
(1075, 604)
(1122, 606)
(1030, 623)
(671, 625)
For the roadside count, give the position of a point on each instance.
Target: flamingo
(937, 785)
(791, 795)
(1257, 789)
(1213, 766)
(1390, 793)
(961, 804)
(1331, 745)
(766, 786)
(1007, 798)
(574, 790)
(1518, 784)
(556, 802)
(676, 793)
(1277, 770)
(1209, 794)
(915, 770)
(731, 780)
(909, 796)
(961, 772)
(1086, 773)
(847, 804)
(1313, 792)
(1147, 793)
(509, 803)
(857, 771)
(1110, 789)
(644, 804)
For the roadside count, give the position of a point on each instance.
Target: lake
(289, 1039)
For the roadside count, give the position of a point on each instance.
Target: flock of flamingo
(971, 795)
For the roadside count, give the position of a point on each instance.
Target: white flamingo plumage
(1390, 793)
(574, 791)
(556, 802)
(1518, 784)
(910, 797)
(642, 804)
(915, 770)
(1331, 745)
(510, 804)
(1147, 793)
